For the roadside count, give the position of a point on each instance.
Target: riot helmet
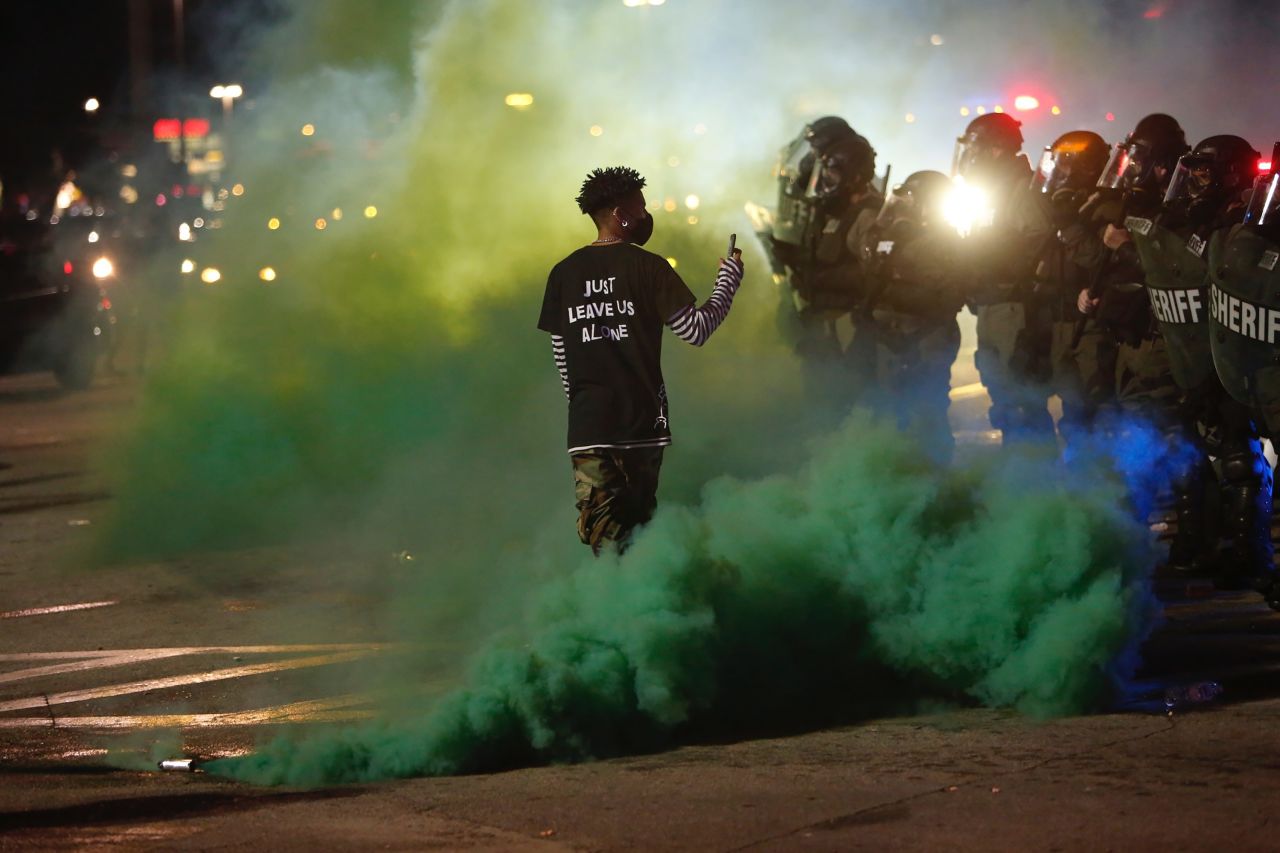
(842, 168)
(989, 140)
(824, 132)
(1263, 209)
(1147, 157)
(1209, 178)
(796, 161)
(917, 200)
(1074, 161)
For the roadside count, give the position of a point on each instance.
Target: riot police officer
(1131, 191)
(1008, 227)
(908, 316)
(825, 203)
(1082, 358)
(1244, 323)
(1204, 194)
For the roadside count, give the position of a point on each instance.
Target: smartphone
(733, 242)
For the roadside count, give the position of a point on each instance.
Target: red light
(160, 200)
(166, 128)
(106, 304)
(192, 189)
(1111, 116)
(1026, 102)
(1156, 10)
(67, 268)
(1264, 165)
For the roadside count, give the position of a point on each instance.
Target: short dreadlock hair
(606, 187)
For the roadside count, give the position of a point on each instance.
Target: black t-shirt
(609, 303)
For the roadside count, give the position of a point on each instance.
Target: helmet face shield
(841, 169)
(1193, 179)
(968, 155)
(918, 201)
(830, 173)
(1130, 164)
(795, 167)
(1044, 177)
(977, 153)
(898, 205)
(1264, 202)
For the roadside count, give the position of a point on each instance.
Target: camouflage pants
(616, 491)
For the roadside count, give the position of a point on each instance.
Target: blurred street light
(227, 93)
(308, 129)
(210, 275)
(267, 274)
(91, 105)
(519, 100)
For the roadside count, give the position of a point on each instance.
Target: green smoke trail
(1015, 585)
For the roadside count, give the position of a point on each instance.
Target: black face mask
(642, 231)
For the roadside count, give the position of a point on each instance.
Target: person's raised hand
(1087, 304)
(1114, 237)
(732, 270)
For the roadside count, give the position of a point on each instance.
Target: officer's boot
(1188, 552)
(1246, 505)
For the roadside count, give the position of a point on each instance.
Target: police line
(1256, 322)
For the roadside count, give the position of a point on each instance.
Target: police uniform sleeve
(551, 318)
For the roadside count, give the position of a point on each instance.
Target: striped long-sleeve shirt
(557, 351)
(695, 325)
(692, 324)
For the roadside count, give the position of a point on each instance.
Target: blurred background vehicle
(55, 304)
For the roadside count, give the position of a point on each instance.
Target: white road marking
(122, 657)
(45, 700)
(336, 710)
(964, 392)
(61, 608)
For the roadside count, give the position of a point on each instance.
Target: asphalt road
(103, 670)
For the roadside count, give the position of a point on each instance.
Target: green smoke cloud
(388, 391)
(868, 577)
